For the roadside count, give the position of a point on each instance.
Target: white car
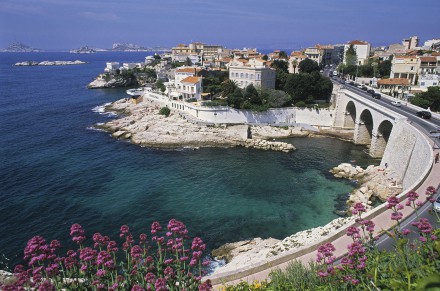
(396, 103)
(436, 205)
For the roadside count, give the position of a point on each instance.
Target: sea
(57, 170)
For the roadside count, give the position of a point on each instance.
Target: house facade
(254, 71)
(395, 87)
(405, 67)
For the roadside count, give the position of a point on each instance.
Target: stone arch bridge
(387, 133)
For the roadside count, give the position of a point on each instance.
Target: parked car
(396, 103)
(424, 114)
(351, 83)
(364, 88)
(436, 205)
(376, 95)
(371, 91)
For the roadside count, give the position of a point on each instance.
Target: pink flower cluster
(99, 266)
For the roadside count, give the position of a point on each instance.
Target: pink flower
(392, 201)
(150, 278)
(396, 216)
(155, 227)
(406, 231)
(422, 239)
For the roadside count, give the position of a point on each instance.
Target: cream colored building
(314, 53)
(296, 57)
(253, 71)
(362, 48)
(405, 67)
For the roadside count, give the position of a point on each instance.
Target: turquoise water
(55, 170)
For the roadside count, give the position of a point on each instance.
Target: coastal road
(424, 125)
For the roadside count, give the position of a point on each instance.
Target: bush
(167, 262)
(300, 104)
(165, 111)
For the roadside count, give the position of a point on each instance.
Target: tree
(251, 94)
(236, 98)
(160, 86)
(265, 57)
(351, 56)
(384, 68)
(430, 98)
(188, 62)
(281, 65)
(308, 66)
(157, 57)
(283, 55)
(294, 65)
(228, 87)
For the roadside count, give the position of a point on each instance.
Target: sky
(68, 24)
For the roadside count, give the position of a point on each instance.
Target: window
(422, 83)
(412, 68)
(241, 75)
(247, 76)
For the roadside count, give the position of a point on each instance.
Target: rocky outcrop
(269, 145)
(143, 125)
(374, 182)
(50, 63)
(112, 83)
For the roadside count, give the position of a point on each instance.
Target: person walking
(436, 157)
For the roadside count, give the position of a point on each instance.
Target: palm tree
(294, 65)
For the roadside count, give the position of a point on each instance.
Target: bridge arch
(363, 131)
(380, 139)
(350, 115)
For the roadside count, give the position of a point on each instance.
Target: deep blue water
(56, 171)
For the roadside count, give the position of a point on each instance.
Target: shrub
(168, 261)
(300, 104)
(165, 111)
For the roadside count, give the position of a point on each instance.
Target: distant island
(83, 50)
(17, 47)
(49, 63)
(129, 47)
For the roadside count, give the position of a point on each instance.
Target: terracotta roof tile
(188, 70)
(357, 42)
(428, 59)
(192, 80)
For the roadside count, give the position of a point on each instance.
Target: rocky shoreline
(142, 125)
(375, 183)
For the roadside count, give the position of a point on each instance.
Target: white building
(429, 80)
(187, 84)
(362, 49)
(411, 42)
(111, 67)
(128, 66)
(254, 71)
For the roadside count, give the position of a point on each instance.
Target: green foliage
(300, 104)
(280, 65)
(228, 87)
(430, 98)
(385, 68)
(283, 55)
(156, 57)
(177, 64)
(308, 87)
(213, 83)
(308, 66)
(280, 79)
(265, 57)
(351, 56)
(160, 86)
(165, 111)
(295, 277)
(216, 103)
(188, 62)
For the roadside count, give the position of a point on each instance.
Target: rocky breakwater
(269, 145)
(375, 182)
(143, 125)
(50, 63)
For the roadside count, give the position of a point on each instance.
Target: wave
(94, 128)
(100, 109)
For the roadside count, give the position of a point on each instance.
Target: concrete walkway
(382, 222)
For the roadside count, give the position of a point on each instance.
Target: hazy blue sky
(50, 24)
